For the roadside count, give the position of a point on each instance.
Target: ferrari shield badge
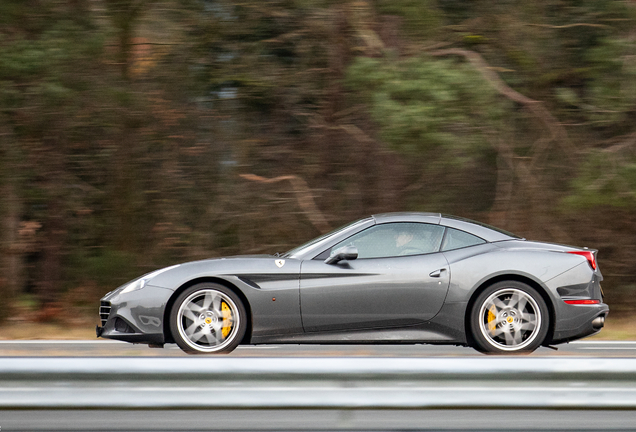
(280, 263)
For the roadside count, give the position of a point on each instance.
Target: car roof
(433, 218)
(486, 232)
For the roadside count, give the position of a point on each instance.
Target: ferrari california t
(399, 278)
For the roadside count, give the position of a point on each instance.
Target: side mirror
(347, 253)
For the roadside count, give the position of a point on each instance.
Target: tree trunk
(125, 40)
(11, 280)
(124, 15)
(11, 252)
(51, 273)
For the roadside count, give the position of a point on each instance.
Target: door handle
(437, 273)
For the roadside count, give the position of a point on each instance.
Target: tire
(509, 317)
(208, 318)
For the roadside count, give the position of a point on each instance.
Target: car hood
(234, 266)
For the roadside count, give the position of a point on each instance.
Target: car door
(399, 279)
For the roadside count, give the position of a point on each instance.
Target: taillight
(582, 301)
(589, 255)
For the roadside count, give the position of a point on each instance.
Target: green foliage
(104, 267)
(605, 180)
(45, 73)
(424, 104)
(472, 39)
(261, 50)
(612, 90)
(128, 124)
(421, 17)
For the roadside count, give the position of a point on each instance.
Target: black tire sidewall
(174, 324)
(482, 344)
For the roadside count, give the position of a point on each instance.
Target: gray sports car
(399, 278)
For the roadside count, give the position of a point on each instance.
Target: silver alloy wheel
(208, 320)
(510, 319)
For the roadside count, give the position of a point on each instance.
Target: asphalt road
(107, 348)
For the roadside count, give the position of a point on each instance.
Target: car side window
(456, 239)
(395, 239)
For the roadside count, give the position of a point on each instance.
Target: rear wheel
(509, 317)
(208, 318)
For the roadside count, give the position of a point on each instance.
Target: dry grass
(61, 320)
(80, 328)
(617, 328)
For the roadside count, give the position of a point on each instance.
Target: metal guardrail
(325, 383)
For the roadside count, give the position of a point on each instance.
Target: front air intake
(104, 311)
(122, 326)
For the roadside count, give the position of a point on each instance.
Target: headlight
(141, 282)
(134, 286)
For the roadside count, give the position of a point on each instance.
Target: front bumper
(136, 317)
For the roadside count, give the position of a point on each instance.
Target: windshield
(307, 246)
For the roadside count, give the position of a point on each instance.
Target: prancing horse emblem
(280, 263)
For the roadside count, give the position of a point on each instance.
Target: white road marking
(607, 348)
(602, 342)
(61, 342)
(257, 347)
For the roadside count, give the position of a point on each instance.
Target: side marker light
(582, 302)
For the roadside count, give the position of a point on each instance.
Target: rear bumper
(578, 322)
(575, 321)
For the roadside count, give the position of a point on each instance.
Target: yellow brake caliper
(492, 319)
(227, 319)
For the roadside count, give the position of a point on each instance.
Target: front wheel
(208, 318)
(509, 317)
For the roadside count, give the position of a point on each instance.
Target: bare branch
(303, 196)
(557, 131)
(568, 25)
(360, 18)
(355, 132)
(147, 43)
(626, 142)
(480, 64)
(436, 46)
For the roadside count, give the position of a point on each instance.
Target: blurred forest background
(140, 133)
